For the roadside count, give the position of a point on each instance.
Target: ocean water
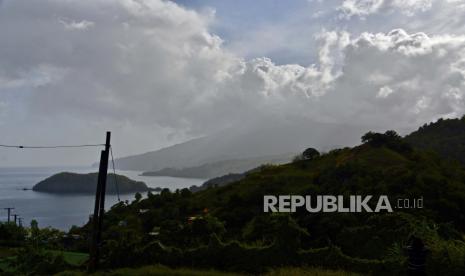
(63, 211)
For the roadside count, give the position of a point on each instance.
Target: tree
(373, 138)
(389, 139)
(393, 135)
(138, 197)
(310, 154)
(11, 233)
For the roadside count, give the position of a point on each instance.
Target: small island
(74, 183)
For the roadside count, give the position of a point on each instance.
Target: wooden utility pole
(9, 212)
(20, 220)
(16, 218)
(99, 208)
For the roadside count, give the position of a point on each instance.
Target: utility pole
(20, 220)
(99, 208)
(9, 212)
(16, 218)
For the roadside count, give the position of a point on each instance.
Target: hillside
(252, 140)
(220, 168)
(70, 183)
(445, 136)
(219, 181)
(226, 227)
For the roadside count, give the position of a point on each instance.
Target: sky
(157, 73)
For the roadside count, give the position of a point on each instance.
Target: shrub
(33, 261)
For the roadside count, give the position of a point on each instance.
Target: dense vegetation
(66, 182)
(225, 227)
(219, 181)
(445, 136)
(35, 251)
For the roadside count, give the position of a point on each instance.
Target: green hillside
(445, 136)
(225, 228)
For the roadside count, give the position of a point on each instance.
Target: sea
(63, 211)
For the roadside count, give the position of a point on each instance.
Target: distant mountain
(445, 136)
(216, 169)
(251, 140)
(73, 183)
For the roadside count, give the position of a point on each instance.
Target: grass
(4, 264)
(165, 271)
(77, 259)
(5, 256)
(73, 258)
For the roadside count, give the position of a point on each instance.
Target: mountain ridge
(273, 137)
(220, 168)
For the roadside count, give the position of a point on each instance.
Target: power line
(51, 147)
(114, 172)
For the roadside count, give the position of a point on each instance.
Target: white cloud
(384, 92)
(364, 8)
(151, 67)
(409, 77)
(75, 25)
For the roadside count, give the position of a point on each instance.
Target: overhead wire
(114, 173)
(51, 147)
(72, 146)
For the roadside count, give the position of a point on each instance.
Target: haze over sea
(63, 211)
